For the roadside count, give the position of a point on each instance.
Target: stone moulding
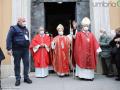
(34, 2)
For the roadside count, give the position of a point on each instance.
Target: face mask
(24, 24)
(86, 28)
(41, 32)
(71, 33)
(60, 33)
(47, 34)
(101, 34)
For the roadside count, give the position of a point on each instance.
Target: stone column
(99, 19)
(38, 20)
(20, 8)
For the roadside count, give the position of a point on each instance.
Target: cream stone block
(5, 71)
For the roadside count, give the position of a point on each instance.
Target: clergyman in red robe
(61, 53)
(40, 52)
(86, 49)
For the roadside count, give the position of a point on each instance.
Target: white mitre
(59, 27)
(85, 21)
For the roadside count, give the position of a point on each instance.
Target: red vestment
(85, 50)
(61, 55)
(41, 57)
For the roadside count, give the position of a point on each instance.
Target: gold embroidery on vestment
(62, 44)
(63, 55)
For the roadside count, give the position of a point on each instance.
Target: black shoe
(91, 79)
(28, 81)
(61, 76)
(117, 79)
(17, 83)
(66, 74)
(110, 75)
(50, 71)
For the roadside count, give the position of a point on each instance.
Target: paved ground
(53, 82)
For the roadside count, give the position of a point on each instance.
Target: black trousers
(118, 72)
(107, 66)
(18, 55)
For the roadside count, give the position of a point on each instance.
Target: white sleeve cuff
(99, 50)
(53, 45)
(47, 48)
(35, 48)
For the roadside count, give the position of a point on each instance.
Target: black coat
(1, 55)
(116, 58)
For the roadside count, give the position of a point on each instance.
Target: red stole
(65, 64)
(41, 57)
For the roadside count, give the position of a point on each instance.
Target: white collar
(85, 32)
(60, 36)
(42, 35)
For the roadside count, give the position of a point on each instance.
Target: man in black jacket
(18, 46)
(115, 43)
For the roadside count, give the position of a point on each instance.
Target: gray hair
(103, 29)
(40, 28)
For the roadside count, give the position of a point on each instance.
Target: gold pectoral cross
(62, 44)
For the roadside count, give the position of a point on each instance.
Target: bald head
(21, 20)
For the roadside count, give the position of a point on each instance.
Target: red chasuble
(41, 57)
(85, 50)
(61, 55)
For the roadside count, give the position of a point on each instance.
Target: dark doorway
(59, 14)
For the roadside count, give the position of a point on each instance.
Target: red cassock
(41, 57)
(85, 50)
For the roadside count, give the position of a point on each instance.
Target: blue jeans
(18, 55)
